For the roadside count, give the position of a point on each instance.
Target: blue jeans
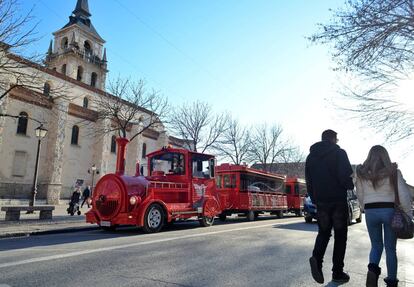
(377, 220)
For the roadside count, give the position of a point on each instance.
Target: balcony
(86, 55)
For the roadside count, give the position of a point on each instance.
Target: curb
(46, 232)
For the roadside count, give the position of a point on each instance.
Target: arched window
(80, 73)
(46, 89)
(65, 43)
(144, 150)
(75, 135)
(94, 78)
(85, 102)
(87, 47)
(113, 144)
(22, 123)
(64, 69)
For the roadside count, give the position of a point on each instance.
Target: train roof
(227, 167)
(178, 150)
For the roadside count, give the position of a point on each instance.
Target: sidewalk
(30, 224)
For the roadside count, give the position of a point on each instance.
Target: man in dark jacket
(328, 177)
(86, 193)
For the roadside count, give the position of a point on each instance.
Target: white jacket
(384, 192)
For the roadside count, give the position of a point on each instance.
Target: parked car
(309, 209)
(354, 212)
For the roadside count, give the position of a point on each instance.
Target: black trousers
(84, 200)
(332, 215)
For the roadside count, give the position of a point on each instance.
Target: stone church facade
(76, 60)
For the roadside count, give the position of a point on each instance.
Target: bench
(13, 211)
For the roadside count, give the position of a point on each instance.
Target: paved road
(268, 252)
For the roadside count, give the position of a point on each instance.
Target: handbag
(401, 223)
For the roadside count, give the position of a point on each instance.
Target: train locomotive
(180, 185)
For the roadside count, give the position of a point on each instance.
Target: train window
(296, 189)
(229, 181)
(255, 183)
(287, 189)
(302, 189)
(169, 163)
(218, 181)
(201, 166)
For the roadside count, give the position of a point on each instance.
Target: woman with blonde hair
(375, 180)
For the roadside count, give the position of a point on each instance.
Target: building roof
(82, 8)
(80, 16)
(68, 79)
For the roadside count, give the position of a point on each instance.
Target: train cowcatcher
(180, 185)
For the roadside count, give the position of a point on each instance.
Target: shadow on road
(302, 226)
(120, 232)
(84, 236)
(334, 284)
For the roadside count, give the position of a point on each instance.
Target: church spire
(50, 50)
(82, 9)
(104, 56)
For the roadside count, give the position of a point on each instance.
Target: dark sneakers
(340, 277)
(316, 270)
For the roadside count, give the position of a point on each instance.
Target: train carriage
(295, 191)
(248, 191)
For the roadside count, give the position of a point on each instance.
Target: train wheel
(222, 217)
(279, 214)
(154, 219)
(206, 221)
(299, 213)
(251, 216)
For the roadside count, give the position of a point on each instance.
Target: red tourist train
(295, 190)
(248, 191)
(180, 185)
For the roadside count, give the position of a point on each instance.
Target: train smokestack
(120, 157)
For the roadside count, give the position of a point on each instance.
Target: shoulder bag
(401, 223)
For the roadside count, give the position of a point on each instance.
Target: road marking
(110, 248)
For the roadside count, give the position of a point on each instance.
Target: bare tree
(235, 142)
(374, 40)
(198, 125)
(268, 146)
(22, 73)
(16, 33)
(129, 104)
(292, 154)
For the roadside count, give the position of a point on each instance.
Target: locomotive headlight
(133, 200)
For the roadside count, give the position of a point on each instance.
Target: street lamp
(93, 170)
(40, 134)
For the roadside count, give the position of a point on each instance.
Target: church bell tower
(78, 51)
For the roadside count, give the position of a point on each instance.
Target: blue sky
(248, 57)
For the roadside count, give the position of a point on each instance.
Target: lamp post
(40, 134)
(93, 170)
